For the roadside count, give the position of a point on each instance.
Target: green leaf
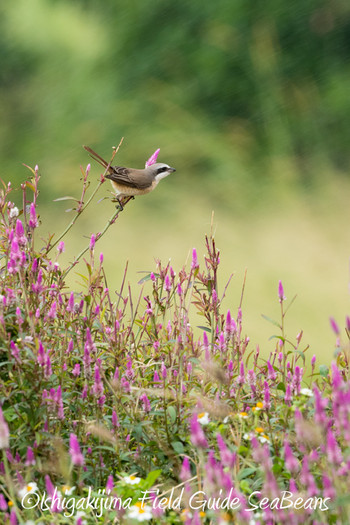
(245, 487)
(151, 478)
(178, 447)
(270, 320)
(281, 386)
(171, 413)
(246, 472)
(205, 328)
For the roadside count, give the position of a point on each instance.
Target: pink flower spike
(109, 484)
(334, 326)
(75, 452)
(33, 221)
(152, 159)
(92, 242)
(4, 432)
(194, 264)
(280, 292)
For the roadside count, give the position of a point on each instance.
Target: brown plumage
(128, 181)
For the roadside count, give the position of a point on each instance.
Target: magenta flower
(228, 458)
(4, 431)
(145, 402)
(21, 238)
(13, 517)
(3, 503)
(334, 453)
(281, 296)
(197, 435)
(152, 159)
(76, 370)
(30, 459)
(206, 345)
(109, 484)
(194, 264)
(92, 242)
(115, 419)
(291, 462)
(334, 326)
(163, 370)
(185, 472)
(98, 385)
(60, 247)
(33, 220)
(75, 452)
(53, 311)
(70, 305)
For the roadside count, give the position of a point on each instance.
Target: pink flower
(33, 221)
(4, 431)
(109, 484)
(197, 435)
(75, 452)
(281, 296)
(291, 462)
(92, 242)
(194, 264)
(185, 472)
(76, 370)
(334, 326)
(30, 459)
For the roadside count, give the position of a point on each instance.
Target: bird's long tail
(96, 157)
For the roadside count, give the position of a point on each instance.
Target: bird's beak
(172, 169)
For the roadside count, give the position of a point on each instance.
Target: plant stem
(82, 207)
(98, 237)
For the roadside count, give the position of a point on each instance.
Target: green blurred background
(249, 100)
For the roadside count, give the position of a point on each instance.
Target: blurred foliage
(246, 87)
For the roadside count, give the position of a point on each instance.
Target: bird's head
(160, 170)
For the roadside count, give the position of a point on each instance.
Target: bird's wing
(131, 178)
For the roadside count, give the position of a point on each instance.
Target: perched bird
(128, 182)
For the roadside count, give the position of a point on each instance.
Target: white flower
(67, 490)
(132, 480)
(14, 212)
(246, 436)
(263, 438)
(28, 489)
(306, 392)
(140, 512)
(203, 418)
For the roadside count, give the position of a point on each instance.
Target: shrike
(128, 182)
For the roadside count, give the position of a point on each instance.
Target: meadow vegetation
(109, 397)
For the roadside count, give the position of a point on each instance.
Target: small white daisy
(132, 480)
(203, 418)
(140, 512)
(28, 489)
(67, 490)
(306, 392)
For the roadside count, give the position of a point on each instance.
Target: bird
(128, 182)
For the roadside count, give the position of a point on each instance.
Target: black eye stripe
(160, 170)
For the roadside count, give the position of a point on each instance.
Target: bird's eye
(160, 170)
